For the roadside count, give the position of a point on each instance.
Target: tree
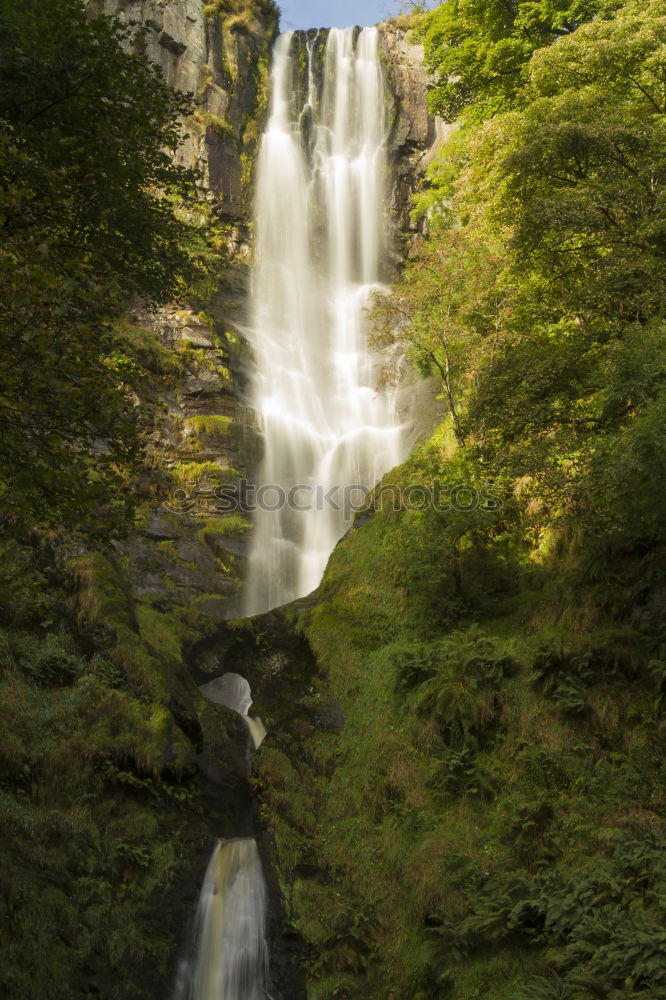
(578, 175)
(574, 185)
(563, 195)
(87, 192)
(447, 306)
(480, 49)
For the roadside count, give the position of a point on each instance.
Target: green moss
(98, 782)
(218, 125)
(213, 425)
(103, 598)
(142, 643)
(234, 524)
(196, 472)
(144, 346)
(485, 758)
(161, 632)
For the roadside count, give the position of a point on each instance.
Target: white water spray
(320, 217)
(234, 692)
(231, 954)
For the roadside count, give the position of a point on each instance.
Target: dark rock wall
(220, 53)
(416, 135)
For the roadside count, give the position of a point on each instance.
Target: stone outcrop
(187, 553)
(416, 134)
(222, 59)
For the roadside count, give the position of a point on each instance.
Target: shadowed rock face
(216, 58)
(179, 558)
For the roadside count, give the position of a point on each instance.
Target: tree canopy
(87, 192)
(552, 356)
(479, 49)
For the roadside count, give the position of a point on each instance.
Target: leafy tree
(546, 255)
(87, 192)
(447, 302)
(574, 183)
(480, 48)
(578, 175)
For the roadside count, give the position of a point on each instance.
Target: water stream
(228, 958)
(230, 954)
(319, 230)
(234, 692)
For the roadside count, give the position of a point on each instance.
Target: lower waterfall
(234, 691)
(230, 954)
(228, 957)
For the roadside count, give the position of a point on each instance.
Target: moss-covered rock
(116, 777)
(472, 825)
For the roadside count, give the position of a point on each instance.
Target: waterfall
(228, 957)
(234, 692)
(230, 953)
(320, 212)
(330, 434)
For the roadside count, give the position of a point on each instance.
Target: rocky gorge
(156, 601)
(235, 258)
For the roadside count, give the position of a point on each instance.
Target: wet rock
(162, 529)
(416, 135)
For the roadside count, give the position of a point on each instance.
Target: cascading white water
(319, 224)
(235, 693)
(319, 245)
(231, 955)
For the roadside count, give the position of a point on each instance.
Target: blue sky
(334, 13)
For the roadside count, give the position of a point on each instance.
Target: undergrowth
(488, 823)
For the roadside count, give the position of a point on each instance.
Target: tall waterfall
(231, 954)
(319, 230)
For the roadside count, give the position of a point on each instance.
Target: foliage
(489, 822)
(480, 49)
(87, 185)
(442, 323)
(95, 775)
(140, 347)
(537, 294)
(102, 822)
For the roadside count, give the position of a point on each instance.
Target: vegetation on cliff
(87, 189)
(488, 825)
(102, 810)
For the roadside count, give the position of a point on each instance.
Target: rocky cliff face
(219, 52)
(188, 555)
(416, 135)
